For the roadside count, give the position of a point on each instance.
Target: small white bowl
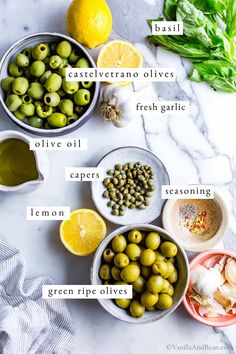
(122, 156)
(203, 245)
(180, 287)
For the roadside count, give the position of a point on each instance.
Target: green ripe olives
(173, 277)
(45, 76)
(105, 272)
(168, 249)
(115, 272)
(74, 56)
(136, 309)
(64, 49)
(154, 284)
(159, 256)
(123, 303)
(20, 85)
(165, 286)
(57, 120)
(62, 69)
(164, 302)
(148, 257)
(159, 267)
(53, 83)
(86, 84)
(22, 60)
(72, 119)
(37, 68)
(133, 251)
(121, 260)
(119, 243)
(146, 271)
(36, 91)
(82, 97)
(135, 236)
(19, 115)
(13, 102)
(43, 111)
(152, 240)
(170, 270)
(139, 284)
(108, 255)
(148, 299)
(130, 273)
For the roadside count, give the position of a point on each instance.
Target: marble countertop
(198, 148)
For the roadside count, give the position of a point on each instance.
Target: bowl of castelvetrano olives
(34, 92)
(152, 261)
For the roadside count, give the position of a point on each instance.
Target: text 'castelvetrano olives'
(145, 261)
(36, 90)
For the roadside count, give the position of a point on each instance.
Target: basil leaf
(210, 6)
(170, 9)
(230, 18)
(220, 75)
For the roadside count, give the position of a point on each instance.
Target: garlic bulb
(205, 281)
(118, 105)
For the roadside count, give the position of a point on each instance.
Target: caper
(111, 203)
(142, 206)
(115, 212)
(115, 206)
(122, 212)
(132, 206)
(106, 194)
(118, 167)
(132, 199)
(115, 181)
(106, 181)
(110, 172)
(120, 202)
(110, 186)
(122, 207)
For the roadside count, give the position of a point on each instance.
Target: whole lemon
(89, 22)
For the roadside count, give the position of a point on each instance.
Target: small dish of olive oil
(17, 163)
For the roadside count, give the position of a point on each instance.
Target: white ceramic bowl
(122, 156)
(180, 287)
(31, 41)
(203, 245)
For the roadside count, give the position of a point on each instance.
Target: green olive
(115, 272)
(133, 251)
(135, 236)
(108, 255)
(148, 257)
(153, 240)
(146, 272)
(159, 267)
(173, 277)
(170, 270)
(119, 243)
(121, 260)
(159, 256)
(105, 272)
(139, 284)
(154, 284)
(148, 299)
(123, 303)
(168, 249)
(130, 273)
(165, 286)
(136, 309)
(164, 302)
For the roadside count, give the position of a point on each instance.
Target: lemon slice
(119, 54)
(82, 234)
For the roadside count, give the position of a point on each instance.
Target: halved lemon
(83, 232)
(119, 54)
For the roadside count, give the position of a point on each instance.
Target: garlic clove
(222, 298)
(230, 271)
(228, 292)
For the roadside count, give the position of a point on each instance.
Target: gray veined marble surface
(198, 148)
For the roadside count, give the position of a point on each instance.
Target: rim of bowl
(214, 240)
(196, 260)
(120, 230)
(127, 147)
(66, 129)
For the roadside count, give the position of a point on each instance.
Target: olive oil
(17, 163)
